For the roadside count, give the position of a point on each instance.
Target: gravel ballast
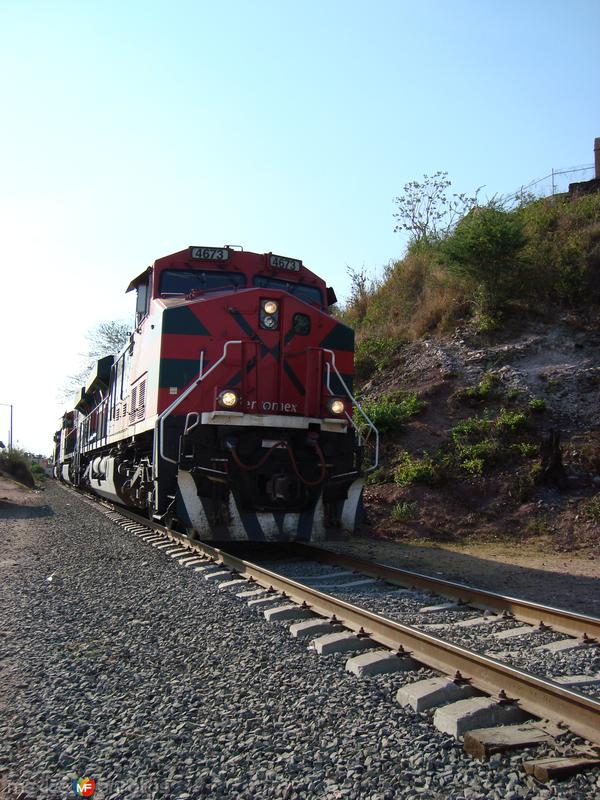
(139, 673)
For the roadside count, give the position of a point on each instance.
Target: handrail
(372, 428)
(160, 420)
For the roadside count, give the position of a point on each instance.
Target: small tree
(427, 211)
(486, 248)
(105, 339)
(362, 288)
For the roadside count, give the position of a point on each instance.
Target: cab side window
(142, 306)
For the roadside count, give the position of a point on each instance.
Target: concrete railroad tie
(476, 712)
(433, 692)
(234, 582)
(220, 575)
(342, 642)
(379, 662)
(287, 612)
(311, 627)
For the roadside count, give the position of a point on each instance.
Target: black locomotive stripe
(305, 524)
(340, 338)
(252, 526)
(177, 372)
(294, 378)
(183, 320)
(279, 518)
(289, 336)
(244, 324)
(234, 381)
(336, 385)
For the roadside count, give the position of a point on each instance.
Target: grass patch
(376, 354)
(375, 477)
(537, 527)
(410, 469)
(481, 441)
(537, 405)
(526, 449)
(511, 421)
(403, 511)
(482, 391)
(389, 412)
(592, 509)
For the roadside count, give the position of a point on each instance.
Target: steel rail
(569, 622)
(537, 696)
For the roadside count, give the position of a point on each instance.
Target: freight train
(229, 413)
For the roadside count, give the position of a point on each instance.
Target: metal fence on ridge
(556, 182)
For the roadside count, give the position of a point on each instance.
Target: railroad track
(387, 641)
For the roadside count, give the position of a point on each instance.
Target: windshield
(183, 281)
(310, 294)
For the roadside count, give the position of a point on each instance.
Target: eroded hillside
(486, 389)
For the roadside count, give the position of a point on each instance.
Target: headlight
(336, 406)
(228, 398)
(270, 307)
(269, 314)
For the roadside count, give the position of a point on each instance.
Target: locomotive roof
(225, 258)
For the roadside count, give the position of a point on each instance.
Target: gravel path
(134, 670)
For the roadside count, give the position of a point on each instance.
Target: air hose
(283, 443)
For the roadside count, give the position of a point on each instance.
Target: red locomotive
(230, 412)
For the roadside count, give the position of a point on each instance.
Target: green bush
(592, 509)
(38, 472)
(486, 248)
(525, 481)
(472, 458)
(526, 449)
(470, 429)
(18, 466)
(415, 470)
(479, 442)
(388, 412)
(375, 354)
(537, 405)
(374, 477)
(403, 511)
(473, 466)
(563, 248)
(483, 390)
(511, 421)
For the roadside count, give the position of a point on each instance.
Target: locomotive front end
(257, 429)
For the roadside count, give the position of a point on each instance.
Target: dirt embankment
(551, 374)
(13, 493)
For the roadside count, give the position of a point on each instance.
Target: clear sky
(131, 130)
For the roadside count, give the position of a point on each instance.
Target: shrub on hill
(390, 411)
(563, 248)
(16, 465)
(486, 249)
(540, 256)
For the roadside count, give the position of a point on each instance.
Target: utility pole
(10, 430)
